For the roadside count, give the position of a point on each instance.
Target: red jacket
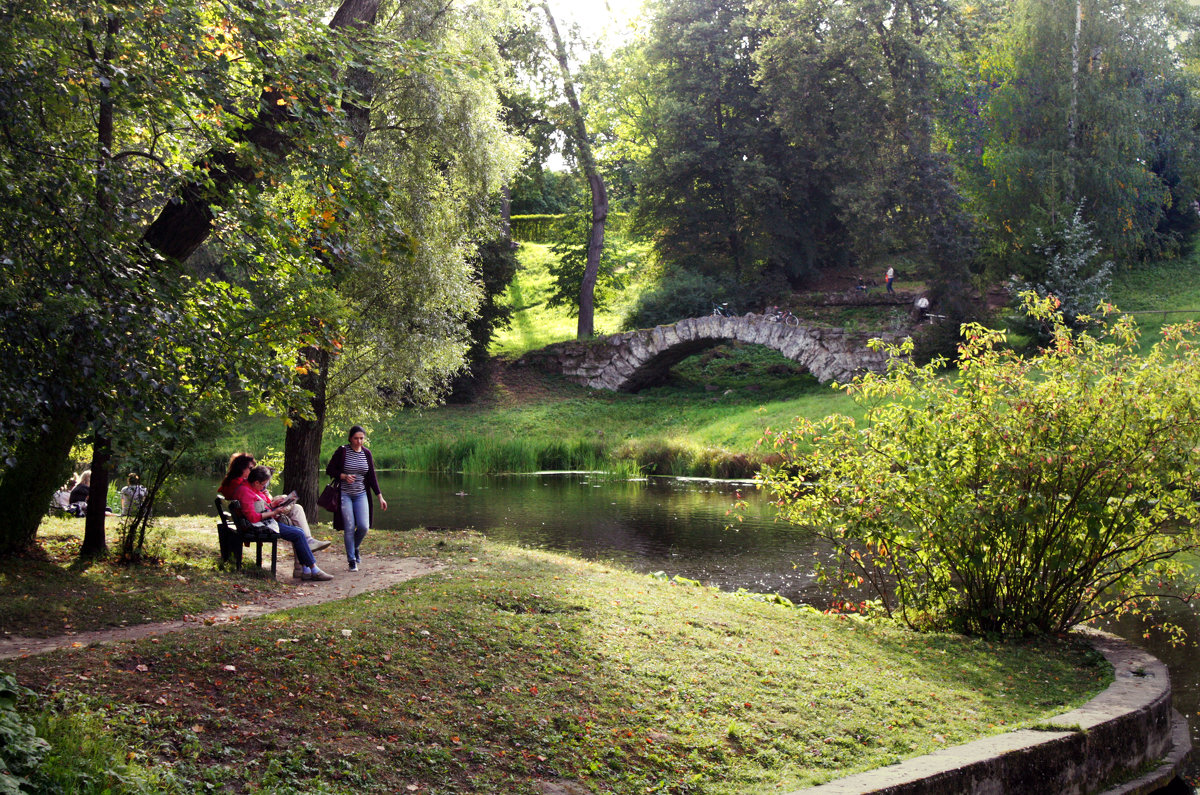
(249, 499)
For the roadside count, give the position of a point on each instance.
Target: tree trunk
(302, 440)
(578, 133)
(40, 465)
(94, 543)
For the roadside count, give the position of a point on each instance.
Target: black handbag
(330, 497)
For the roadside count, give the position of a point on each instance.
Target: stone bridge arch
(633, 360)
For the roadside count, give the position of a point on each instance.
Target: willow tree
(430, 126)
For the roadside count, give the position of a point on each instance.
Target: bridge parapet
(633, 360)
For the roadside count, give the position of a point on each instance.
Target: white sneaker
(317, 544)
(354, 565)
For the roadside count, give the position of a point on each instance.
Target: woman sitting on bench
(256, 507)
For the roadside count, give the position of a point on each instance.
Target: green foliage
(721, 192)
(535, 323)
(106, 114)
(547, 228)
(535, 228)
(1077, 101)
(853, 86)
(1018, 496)
(1071, 274)
(675, 295)
(21, 750)
(570, 248)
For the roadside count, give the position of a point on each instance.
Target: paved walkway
(378, 573)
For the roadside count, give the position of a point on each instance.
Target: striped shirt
(355, 464)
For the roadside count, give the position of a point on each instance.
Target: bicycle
(721, 310)
(786, 318)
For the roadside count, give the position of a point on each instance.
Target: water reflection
(681, 527)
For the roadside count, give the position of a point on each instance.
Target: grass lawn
(535, 325)
(511, 666)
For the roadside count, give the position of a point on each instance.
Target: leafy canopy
(1018, 496)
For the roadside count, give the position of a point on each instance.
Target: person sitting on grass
(132, 495)
(256, 507)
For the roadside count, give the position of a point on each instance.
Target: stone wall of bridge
(634, 360)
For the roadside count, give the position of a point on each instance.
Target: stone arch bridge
(634, 360)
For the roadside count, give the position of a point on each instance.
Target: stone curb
(1125, 729)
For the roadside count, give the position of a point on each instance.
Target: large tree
(853, 86)
(128, 135)
(1078, 103)
(721, 189)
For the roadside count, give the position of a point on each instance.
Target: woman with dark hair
(239, 466)
(256, 506)
(354, 468)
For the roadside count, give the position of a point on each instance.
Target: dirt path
(378, 573)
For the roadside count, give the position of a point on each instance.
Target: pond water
(680, 526)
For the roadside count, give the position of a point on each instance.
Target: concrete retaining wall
(1125, 741)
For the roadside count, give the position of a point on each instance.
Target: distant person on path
(353, 465)
(239, 466)
(256, 507)
(889, 277)
(132, 494)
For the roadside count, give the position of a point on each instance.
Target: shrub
(1072, 274)
(1020, 496)
(21, 750)
(678, 294)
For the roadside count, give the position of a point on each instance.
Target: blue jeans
(356, 519)
(299, 544)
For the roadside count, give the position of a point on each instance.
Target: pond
(679, 526)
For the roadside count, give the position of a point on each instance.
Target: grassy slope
(512, 665)
(534, 324)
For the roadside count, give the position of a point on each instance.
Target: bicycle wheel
(791, 320)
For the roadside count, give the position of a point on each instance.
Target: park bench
(234, 531)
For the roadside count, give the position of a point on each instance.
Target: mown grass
(512, 666)
(534, 324)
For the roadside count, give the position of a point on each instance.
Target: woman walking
(354, 467)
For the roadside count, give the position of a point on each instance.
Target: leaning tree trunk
(302, 440)
(578, 133)
(94, 543)
(39, 464)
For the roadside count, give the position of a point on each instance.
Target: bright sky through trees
(609, 22)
